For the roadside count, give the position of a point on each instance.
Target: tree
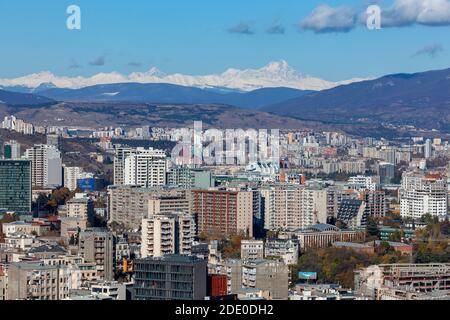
(385, 248)
(341, 224)
(396, 236)
(429, 219)
(372, 228)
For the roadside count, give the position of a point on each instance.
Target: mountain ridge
(274, 74)
(421, 99)
(170, 93)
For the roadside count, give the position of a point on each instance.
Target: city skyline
(234, 154)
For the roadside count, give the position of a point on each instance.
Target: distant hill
(169, 93)
(16, 98)
(101, 114)
(421, 99)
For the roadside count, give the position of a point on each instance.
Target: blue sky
(194, 37)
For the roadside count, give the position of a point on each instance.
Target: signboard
(86, 185)
(307, 275)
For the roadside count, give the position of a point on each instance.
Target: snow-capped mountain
(275, 74)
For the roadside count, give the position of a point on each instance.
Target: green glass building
(15, 186)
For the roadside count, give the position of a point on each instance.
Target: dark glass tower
(15, 186)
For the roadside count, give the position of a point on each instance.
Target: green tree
(372, 228)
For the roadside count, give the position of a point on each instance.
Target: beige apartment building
(36, 281)
(128, 205)
(293, 207)
(167, 234)
(97, 246)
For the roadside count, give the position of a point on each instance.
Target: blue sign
(86, 185)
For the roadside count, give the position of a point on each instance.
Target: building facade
(15, 186)
(98, 246)
(423, 194)
(46, 166)
(222, 212)
(167, 234)
(171, 277)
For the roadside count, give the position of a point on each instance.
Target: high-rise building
(293, 207)
(97, 246)
(167, 234)
(119, 164)
(46, 166)
(423, 194)
(375, 201)
(11, 150)
(176, 200)
(428, 149)
(15, 186)
(171, 277)
(223, 212)
(71, 176)
(139, 166)
(386, 171)
(53, 140)
(128, 205)
(146, 169)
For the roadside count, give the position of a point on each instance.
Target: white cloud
(327, 19)
(401, 13)
(410, 12)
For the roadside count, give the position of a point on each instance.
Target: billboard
(86, 185)
(307, 275)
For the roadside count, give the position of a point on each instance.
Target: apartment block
(128, 205)
(97, 246)
(167, 234)
(223, 212)
(46, 166)
(252, 249)
(172, 277)
(422, 194)
(36, 281)
(267, 275)
(293, 207)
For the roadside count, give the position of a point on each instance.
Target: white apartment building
(46, 166)
(71, 175)
(362, 182)
(147, 169)
(421, 194)
(167, 234)
(287, 250)
(139, 166)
